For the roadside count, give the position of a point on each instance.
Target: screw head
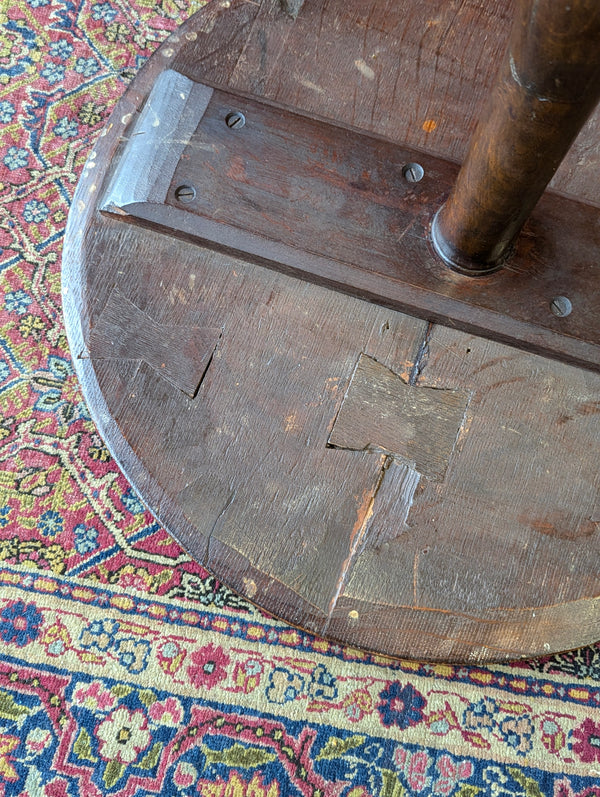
(561, 306)
(235, 120)
(413, 172)
(185, 193)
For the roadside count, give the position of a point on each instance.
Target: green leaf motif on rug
(147, 697)
(150, 760)
(10, 709)
(83, 747)
(121, 690)
(114, 770)
(239, 756)
(529, 785)
(468, 791)
(336, 747)
(391, 785)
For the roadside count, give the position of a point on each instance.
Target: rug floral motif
(125, 668)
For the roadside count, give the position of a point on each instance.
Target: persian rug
(125, 668)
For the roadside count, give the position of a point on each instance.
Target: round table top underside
(486, 553)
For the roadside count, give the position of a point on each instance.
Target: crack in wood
(421, 358)
(208, 364)
(413, 429)
(358, 534)
(213, 528)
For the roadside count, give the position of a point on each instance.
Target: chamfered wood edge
(255, 586)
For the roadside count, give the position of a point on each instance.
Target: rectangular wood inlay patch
(418, 425)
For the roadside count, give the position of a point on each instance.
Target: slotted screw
(235, 120)
(413, 172)
(185, 193)
(561, 306)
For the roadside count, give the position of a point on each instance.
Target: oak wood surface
(333, 206)
(491, 558)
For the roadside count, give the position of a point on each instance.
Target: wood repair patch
(418, 425)
(180, 354)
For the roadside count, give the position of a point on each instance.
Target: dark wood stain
(562, 527)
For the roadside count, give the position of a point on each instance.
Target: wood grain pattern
(496, 559)
(418, 73)
(292, 7)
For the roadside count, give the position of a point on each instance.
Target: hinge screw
(561, 306)
(413, 172)
(185, 193)
(235, 120)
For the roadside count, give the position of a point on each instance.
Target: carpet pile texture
(125, 668)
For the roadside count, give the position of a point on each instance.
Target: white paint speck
(364, 69)
(308, 84)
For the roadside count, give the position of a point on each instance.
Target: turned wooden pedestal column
(548, 85)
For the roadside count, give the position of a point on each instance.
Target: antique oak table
(346, 378)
